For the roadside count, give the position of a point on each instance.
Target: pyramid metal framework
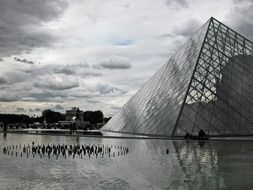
(207, 84)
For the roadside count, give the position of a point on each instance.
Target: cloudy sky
(95, 54)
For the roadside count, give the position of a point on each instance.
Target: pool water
(188, 165)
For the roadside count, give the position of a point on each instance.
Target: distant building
(75, 114)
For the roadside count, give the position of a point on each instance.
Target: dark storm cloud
(241, 17)
(21, 24)
(187, 28)
(114, 62)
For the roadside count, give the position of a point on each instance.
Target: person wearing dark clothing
(202, 135)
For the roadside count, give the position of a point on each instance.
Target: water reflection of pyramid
(207, 84)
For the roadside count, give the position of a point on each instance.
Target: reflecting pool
(189, 165)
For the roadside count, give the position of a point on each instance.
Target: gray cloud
(69, 69)
(187, 28)
(16, 76)
(37, 109)
(19, 109)
(49, 83)
(64, 70)
(83, 93)
(46, 95)
(3, 81)
(165, 36)
(92, 101)
(8, 98)
(104, 89)
(13, 93)
(80, 65)
(114, 107)
(89, 73)
(115, 62)
(240, 17)
(59, 107)
(24, 60)
(21, 24)
(177, 3)
(34, 110)
(81, 70)
(53, 84)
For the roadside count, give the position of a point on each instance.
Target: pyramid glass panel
(206, 85)
(225, 71)
(155, 107)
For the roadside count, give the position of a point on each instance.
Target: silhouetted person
(187, 136)
(4, 150)
(202, 135)
(5, 129)
(24, 149)
(43, 149)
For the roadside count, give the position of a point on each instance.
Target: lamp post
(75, 127)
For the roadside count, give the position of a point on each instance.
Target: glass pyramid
(207, 84)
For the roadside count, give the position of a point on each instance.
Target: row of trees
(93, 116)
(51, 117)
(14, 118)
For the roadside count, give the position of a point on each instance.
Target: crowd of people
(201, 136)
(66, 151)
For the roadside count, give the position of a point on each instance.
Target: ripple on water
(114, 183)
